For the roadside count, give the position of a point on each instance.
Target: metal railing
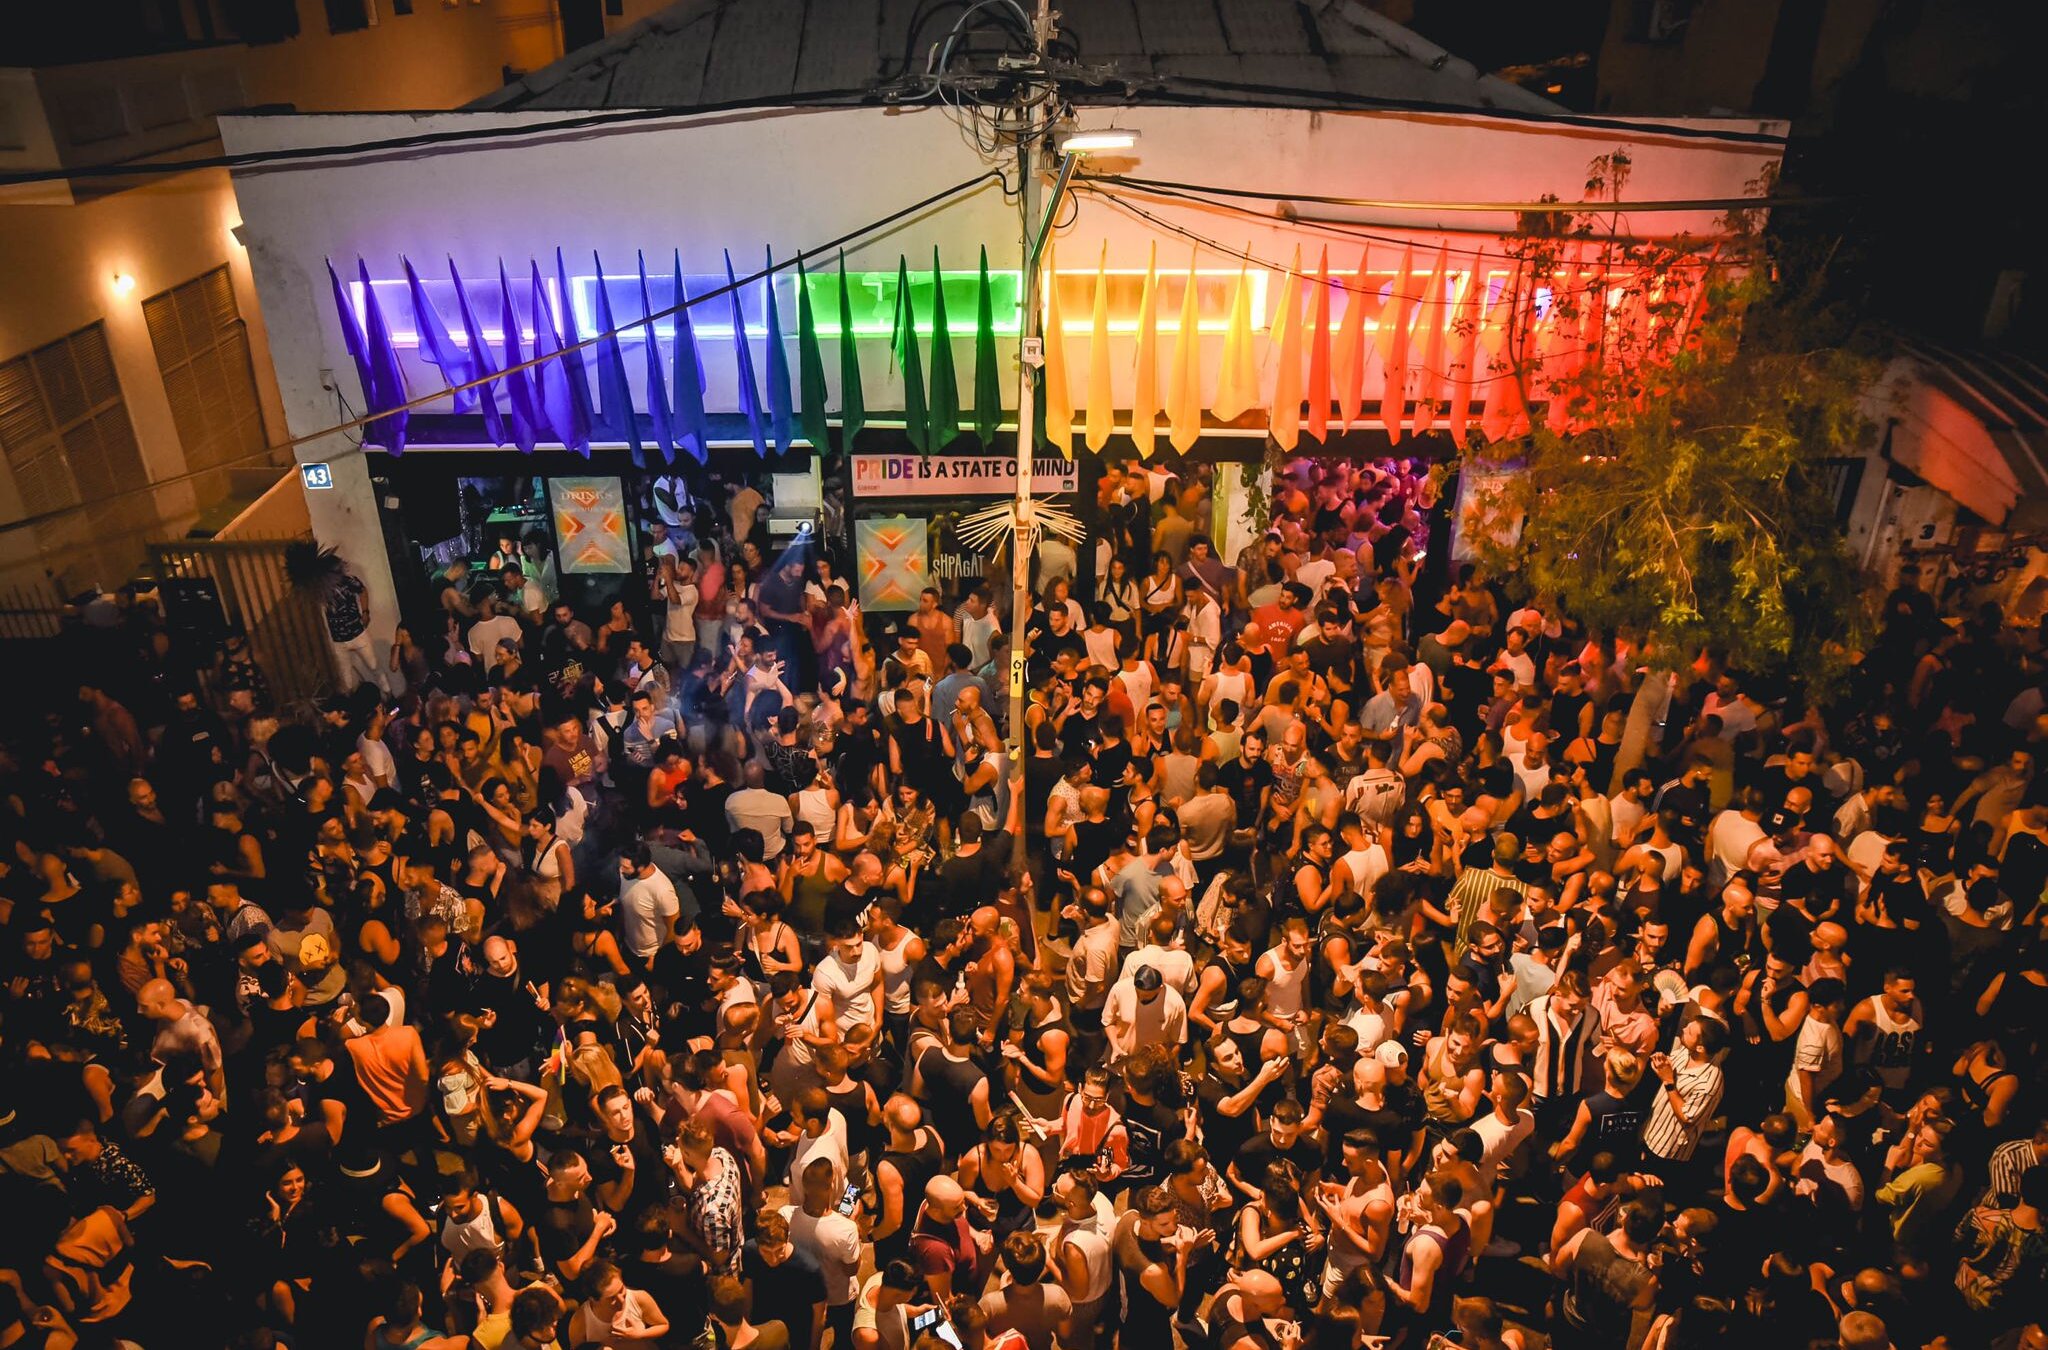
(287, 633)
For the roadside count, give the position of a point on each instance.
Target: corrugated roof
(1991, 452)
(1315, 53)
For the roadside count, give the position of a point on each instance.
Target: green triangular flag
(853, 411)
(916, 425)
(945, 402)
(810, 367)
(988, 381)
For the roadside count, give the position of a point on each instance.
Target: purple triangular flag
(573, 364)
(553, 399)
(612, 384)
(435, 342)
(518, 383)
(351, 332)
(387, 392)
(480, 360)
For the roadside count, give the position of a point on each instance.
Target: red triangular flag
(1436, 313)
(1465, 350)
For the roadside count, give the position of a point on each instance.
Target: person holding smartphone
(821, 1230)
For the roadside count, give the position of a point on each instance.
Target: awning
(1975, 425)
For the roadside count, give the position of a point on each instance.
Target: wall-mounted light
(239, 232)
(123, 283)
(1098, 142)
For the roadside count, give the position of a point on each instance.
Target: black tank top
(2024, 872)
(916, 1167)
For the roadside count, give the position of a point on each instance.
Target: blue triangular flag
(612, 384)
(657, 395)
(743, 358)
(387, 391)
(781, 407)
(692, 430)
(573, 364)
(553, 399)
(518, 383)
(437, 345)
(480, 360)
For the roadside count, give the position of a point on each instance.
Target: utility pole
(1024, 529)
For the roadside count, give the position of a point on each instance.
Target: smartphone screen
(849, 1201)
(925, 1320)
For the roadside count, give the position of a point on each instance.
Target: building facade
(689, 189)
(137, 395)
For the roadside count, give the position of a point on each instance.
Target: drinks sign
(957, 475)
(590, 524)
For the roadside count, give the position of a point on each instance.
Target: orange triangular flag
(1319, 353)
(1393, 344)
(1237, 383)
(1465, 350)
(1184, 385)
(1059, 403)
(1283, 416)
(1348, 361)
(1145, 389)
(1101, 415)
(1436, 312)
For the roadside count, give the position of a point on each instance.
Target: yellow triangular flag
(1237, 384)
(1348, 362)
(1059, 404)
(1145, 391)
(1284, 416)
(1101, 415)
(1184, 386)
(1436, 315)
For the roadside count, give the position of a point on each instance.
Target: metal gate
(287, 634)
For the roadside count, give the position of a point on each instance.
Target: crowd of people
(1364, 956)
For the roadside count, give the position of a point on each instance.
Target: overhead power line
(1705, 261)
(1337, 229)
(427, 139)
(1518, 208)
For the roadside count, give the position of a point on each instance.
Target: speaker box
(428, 505)
(192, 607)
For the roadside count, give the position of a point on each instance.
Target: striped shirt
(1698, 1084)
(2009, 1162)
(1475, 887)
(1562, 1053)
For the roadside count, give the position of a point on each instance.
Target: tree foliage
(1668, 479)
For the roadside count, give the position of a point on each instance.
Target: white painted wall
(795, 179)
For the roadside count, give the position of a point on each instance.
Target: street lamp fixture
(1098, 142)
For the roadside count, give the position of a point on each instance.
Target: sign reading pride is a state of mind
(957, 475)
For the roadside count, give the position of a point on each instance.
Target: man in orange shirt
(391, 1064)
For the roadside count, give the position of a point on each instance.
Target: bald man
(992, 974)
(1240, 1311)
(948, 1253)
(182, 1028)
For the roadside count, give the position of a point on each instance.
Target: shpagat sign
(316, 477)
(957, 475)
